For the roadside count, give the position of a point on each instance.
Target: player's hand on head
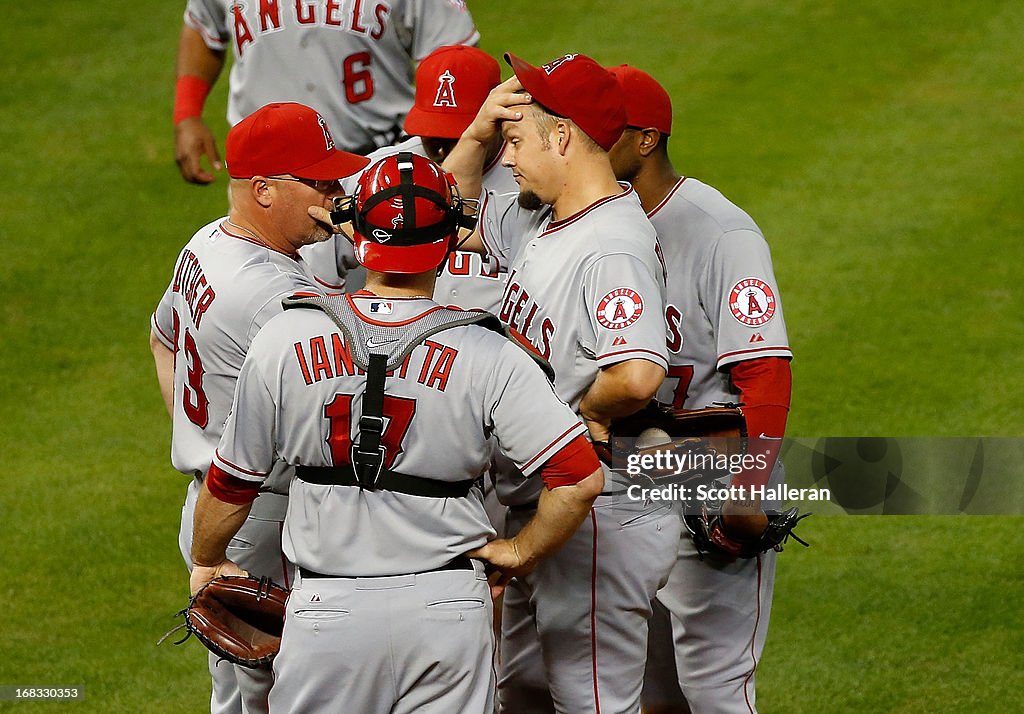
(202, 574)
(192, 141)
(503, 103)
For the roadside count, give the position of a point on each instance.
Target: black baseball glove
(709, 534)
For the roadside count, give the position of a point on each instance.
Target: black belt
(388, 481)
(459, 562)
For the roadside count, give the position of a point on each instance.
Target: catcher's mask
(406, 212)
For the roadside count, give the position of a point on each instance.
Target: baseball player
(451, 86)
(727, 343)
(227, 282)
(350, 61)
(386, 402)
(586, 290)
(452, 83)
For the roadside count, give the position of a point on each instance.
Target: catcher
(370, 396)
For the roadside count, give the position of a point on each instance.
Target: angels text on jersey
(518, 310)
(254, 19)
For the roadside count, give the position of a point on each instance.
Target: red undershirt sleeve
(765, 385)
(231, 489)
(570, 464)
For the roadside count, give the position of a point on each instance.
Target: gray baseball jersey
(351, 61)
(587, 292)
(299, 399)
(225, 287)
(387, 640)
(722, 307)
(723, 303)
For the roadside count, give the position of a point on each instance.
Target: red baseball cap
(647, 103)
(578, 88)
(452, 83)
(287, 138)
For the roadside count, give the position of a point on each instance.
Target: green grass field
(878, 144)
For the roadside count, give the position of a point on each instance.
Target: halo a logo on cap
(752, 302)
(328, 139)
(555, 64)
(446, 91)
(620, 308)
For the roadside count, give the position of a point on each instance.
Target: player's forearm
(195, 59)
(621, 389)
(163, 359)
(466, 164)
(198, 67)
(560, 512)
(215, 523)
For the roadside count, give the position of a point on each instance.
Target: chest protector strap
(368, 454)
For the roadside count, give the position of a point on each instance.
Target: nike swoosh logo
(770, 438)
(373, 345)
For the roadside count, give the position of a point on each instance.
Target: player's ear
(562, 133)
(259, 187)
(649, 139)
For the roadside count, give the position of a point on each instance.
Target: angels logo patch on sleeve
(752, 302)
(620, 308)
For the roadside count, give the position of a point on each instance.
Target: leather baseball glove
(239, 619)
(709, 533)
(697, 440)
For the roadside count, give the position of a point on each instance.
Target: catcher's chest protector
(390, 345)
(393, 342)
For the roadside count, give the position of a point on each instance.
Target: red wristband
(189, 96)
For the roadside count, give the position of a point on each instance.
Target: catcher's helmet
(406, 213)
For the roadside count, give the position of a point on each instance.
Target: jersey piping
(559, 224)
(667, 198)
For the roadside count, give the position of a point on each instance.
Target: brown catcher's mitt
(238, 618)
(691, 443)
